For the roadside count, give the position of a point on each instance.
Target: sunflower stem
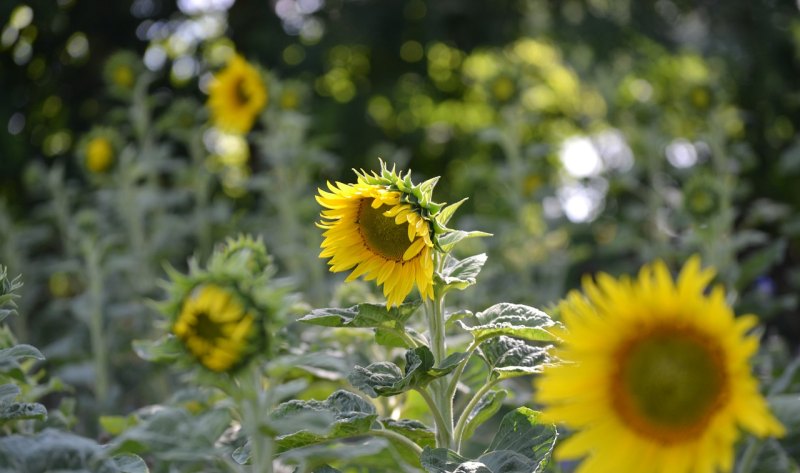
(462, 421)
(438, 419)
(440, 387)
(256, 402)
(96, 335)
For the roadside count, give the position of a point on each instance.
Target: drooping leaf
(363, 316)
(510, 357)
(522, 432)
(450, 239)
(10, 357)
(460, 274)
(386, 379)
(416, 431)
(488, 406)
(345, 414)
(167, 348)
(514, 320)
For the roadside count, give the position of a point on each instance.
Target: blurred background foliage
(588, 134)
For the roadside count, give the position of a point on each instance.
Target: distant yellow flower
(99, 155)
(216, 328)
(374, 229)
(655, 375)
(236, 96)
(121, 71)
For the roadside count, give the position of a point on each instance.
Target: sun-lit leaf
(450, 239)
(460, 274)
(418, 432)
(514, 320)
(128, 463)
(511, 357)
(521, 431)
(363, 316)
(167, 348)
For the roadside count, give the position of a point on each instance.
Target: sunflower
(121, 71)
(98, 150)
(655, 375)
(381, 230)
(236, 96)
(216, 328)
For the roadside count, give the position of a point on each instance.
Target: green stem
(749, 456)
(257, 402)
(438, 419)
(97, 339)
(201, 189)
(451, 389)
(462, 421)
(440, 386)
(397, 437)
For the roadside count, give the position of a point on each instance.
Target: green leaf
(165, 349)
(371, 454)
(348, 415)
(386, 379)
(510, 357)
(22, 410)
(390, 338)
(450, 239)
(115, 425)
(9, 358)
(760, 262)
(54, 451)
(460, 274)
(448, 211)
(363, 316)
(127, 463)
(488, 406)
(442, 460)
(521, 431)
(418, 432)
(9, 392)
(514, 320)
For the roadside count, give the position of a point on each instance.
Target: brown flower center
(381, 234)
(669, 382)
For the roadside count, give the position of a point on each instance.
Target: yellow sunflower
(655, 375)
(379, 231)
(236, 96)
(216, 328)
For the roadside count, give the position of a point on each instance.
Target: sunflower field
(320, 236)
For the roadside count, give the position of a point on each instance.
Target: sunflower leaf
(416, 431)
(488, 406)
(342, 414)
(452, 237)
(510, 357)
(363, 316)
(387, 379)
(10, 411)
(167, 348)
(442, 460)
(521, 432)
(460, 274)
(514, 320)
(447, 212)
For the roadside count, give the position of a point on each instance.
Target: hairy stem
(462, 421)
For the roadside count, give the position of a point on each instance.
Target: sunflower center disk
(241, 93)
(206, 328)
(669, 385)
(381, 234)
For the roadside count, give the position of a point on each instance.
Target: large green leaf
(55, 451)
(386, 379)
(363, 316)
(521, 432)
(514, 320)
(348, 415)
(488, 406)
(442, 460)
(511, 357)
(369, 454)
(460, 274)
(10, 357)
(418, 432)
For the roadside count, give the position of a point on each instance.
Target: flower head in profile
(98, 151)
(236, 96)
(382, 227)
(655, 375)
